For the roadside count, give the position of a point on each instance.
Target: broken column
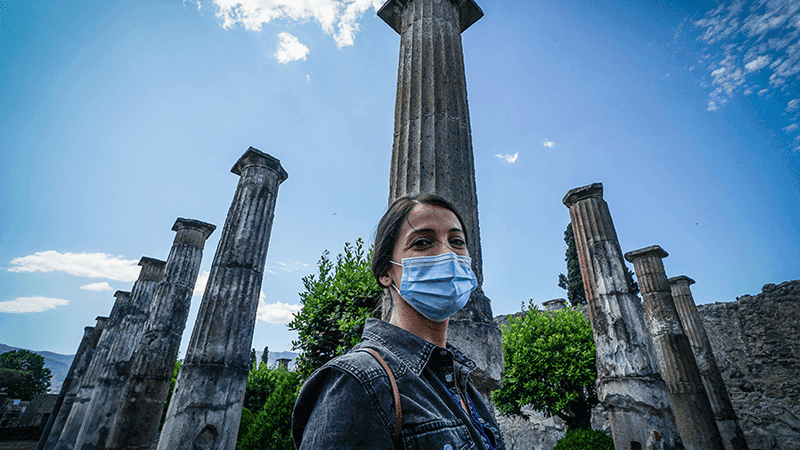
(142, 402)
(673, 352)
(628, 382)
(72, 425)
(206, 405)
(432, 149)
(106, 396)
(724, 414)
(71, 386)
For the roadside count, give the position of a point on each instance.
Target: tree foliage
(549, 364)
(585, 440)
(23, 374)
(572, 282)
(336, 303)
(267, 415)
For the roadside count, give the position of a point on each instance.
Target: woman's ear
(386, 280)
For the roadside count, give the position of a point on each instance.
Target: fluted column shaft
(142, 402)
(72, 426)
(206, 406)
(628, 382)
(107, 393)
(71, 386)
(724, 414)
(673, 352)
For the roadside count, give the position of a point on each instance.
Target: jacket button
(448, 447)
(448, 378)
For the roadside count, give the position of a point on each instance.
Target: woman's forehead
(430, 216)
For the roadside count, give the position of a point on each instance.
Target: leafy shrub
(585, 440)
(271, 428)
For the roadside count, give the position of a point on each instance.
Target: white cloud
(793, 105)
(511, 159)
(338, 18)
(196, 2)
(791, 127)
(97, 287)
(762, 92)
(548, 143)
(285, 267)
(290, 49)
(31, 304)
(278, 312)
(91, 265)
(757, 64)
(200, 285)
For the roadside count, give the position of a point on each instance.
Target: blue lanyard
(475, 420)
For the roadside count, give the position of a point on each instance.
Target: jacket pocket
(438, 435)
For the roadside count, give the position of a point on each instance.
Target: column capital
(594, 190)
(117, 295)
(392, 13)
(151, 268)
(653, 250)
(681, 279)
(203, 227)
(254, 156)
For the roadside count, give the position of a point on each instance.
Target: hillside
(57, 363)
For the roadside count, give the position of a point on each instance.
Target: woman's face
(428, 231)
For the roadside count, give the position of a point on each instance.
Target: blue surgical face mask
(437, 286)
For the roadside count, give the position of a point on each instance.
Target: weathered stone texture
(206, 406)
(756, 342)
(142, 401)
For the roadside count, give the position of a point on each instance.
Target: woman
(420, 258)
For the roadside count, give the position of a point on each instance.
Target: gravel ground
(18, 445)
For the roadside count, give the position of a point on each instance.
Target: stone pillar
(206, 405)
(142, 402)
(432, 149)
(108, 390)
(555, 304)
(628, 382)
(72, 425)
(673, 352)
(71, 386)
(724, 414)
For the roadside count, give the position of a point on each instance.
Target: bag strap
(398, 410)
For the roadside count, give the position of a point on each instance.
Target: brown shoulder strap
(398, 410)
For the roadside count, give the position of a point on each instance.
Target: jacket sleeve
(334, 411)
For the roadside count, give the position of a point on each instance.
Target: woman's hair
(388, 232)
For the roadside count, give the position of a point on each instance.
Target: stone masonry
(206, 407)
(136, 423)
(628, 380)
(432, 149)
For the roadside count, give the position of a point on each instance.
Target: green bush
(271, 428)
(585, 440)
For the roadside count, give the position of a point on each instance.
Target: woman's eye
(458, 242)
(421, 243)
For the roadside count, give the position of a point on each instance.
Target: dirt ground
(18, 445)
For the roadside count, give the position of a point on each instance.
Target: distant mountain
(57, 363)
(272, 358)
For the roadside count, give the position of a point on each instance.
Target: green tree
(270, 429)
(585, 440)
(572, 282)
(549, 364)
(175, 372)
(23, 374)
(336, 303)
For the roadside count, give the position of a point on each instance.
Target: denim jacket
(348, 403)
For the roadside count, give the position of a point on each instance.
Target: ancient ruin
(674, 354)
(71, 385)
(628, 381)
(206, 406)
(432, 149)
(108, 389)
(729, 429)
(142, 398)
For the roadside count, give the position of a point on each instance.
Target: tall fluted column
(673, 352)
(142, 402)
(71, 386)
(106, 396)
(72, 425)
(206, 406)
(628, 381)
(724, 414)
(432, 149)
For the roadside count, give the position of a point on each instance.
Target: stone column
(72, 425)
(432, 149)
(724, 414)
(108, 390)
(71, 386)
(628, 381)
(673, 352)
(142, 402)
(206, 405)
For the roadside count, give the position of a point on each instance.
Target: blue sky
(119, 117)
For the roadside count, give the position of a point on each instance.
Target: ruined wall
(756, 342)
